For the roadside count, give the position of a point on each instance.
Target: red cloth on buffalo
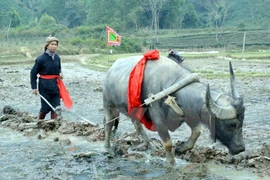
(62, 90)
(135, 88)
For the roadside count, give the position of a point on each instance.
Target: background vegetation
(143, 24)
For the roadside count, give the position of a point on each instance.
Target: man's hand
(35, 91)
(61, 76)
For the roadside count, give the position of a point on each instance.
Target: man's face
(52, 46)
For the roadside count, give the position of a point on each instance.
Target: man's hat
(49, 40)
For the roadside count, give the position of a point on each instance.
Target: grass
(226, 75)
(19, 52)
(250, 55)
(103, 62)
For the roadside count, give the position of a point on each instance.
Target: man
(48, 66)
(175, 56)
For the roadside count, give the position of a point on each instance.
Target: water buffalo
(221, 113)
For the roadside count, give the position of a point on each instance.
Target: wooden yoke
(187, 80)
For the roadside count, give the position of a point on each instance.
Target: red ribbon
(135, 89)
(62, 90)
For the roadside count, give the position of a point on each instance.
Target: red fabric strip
(135, 88)
(49, 76)
(62, 90)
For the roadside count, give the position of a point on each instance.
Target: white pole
(243, 50)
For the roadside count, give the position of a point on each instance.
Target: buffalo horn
(220, 112)
(235, 94)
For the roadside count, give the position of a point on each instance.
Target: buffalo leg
(159, 120)
(115, 124)
(189, 144)
(167, 144)
(110, 114)
(141, 132)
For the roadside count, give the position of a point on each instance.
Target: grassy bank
(24, 51)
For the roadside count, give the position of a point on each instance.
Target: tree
(137, 14)
(217, 12)
(36, 7)
(70, 13)
(172, 14)
(133, 16)
(190, 18)
(6, 13)
(127, 13)
(101, 12)
(155, 6)
(15, 18)
(75, 13)
(256, 10)
(47, 21)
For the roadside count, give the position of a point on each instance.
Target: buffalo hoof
(107, 145)
(237, 150)
(180, 148)
(171, 162)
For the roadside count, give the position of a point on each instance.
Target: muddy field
(69, 148)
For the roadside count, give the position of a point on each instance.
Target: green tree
(70, 13)
(15, 18)
(75, 13)
(172, 14)
(36, 7)
(6, 13)
(257, 11)
(128, 13)
(217, 12)
(101, 12)
(134, 16)
(155, 7)
(47, 21)
(191, 18)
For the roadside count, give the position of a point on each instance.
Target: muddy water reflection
(230, 173)
(28, 158)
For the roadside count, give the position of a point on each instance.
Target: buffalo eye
(233, 125)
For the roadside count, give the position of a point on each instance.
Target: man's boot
(53, 115)
(41, 115)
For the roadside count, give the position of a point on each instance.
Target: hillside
(137, 14)
(227, 40)
(81, 24)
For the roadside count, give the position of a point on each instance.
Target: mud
(70, 148)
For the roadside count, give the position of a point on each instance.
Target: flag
(113, 39)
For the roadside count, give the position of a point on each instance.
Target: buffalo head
(228, 121)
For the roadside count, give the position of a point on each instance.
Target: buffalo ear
(212, 126)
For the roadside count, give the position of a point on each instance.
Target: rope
(110, 122)
(118, 117)
(93, 124)
(170, 101)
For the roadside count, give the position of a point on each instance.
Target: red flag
(113, 39)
